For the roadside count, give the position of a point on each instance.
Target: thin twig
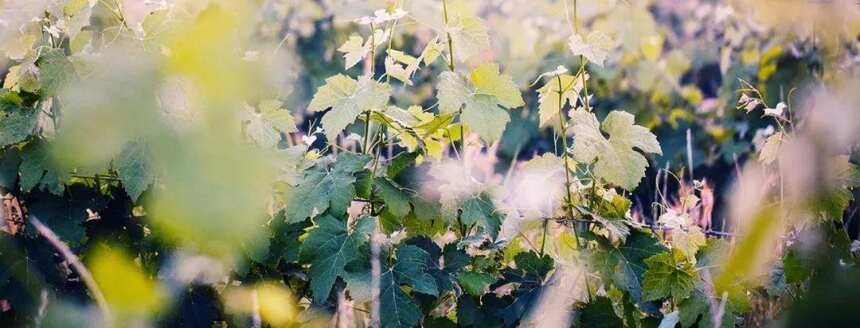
(79, 267)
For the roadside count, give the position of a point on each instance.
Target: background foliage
(430, 163)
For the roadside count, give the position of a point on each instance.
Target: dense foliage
(427, 163)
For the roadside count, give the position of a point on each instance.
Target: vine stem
(452, 66)
(566, 160)
(372, 61)
(76, 263)
(448, 35)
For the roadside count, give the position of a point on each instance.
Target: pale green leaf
(468, 33)
(770, 150)
(689, 241)
(551, 102)
(595, 47)
(669, 275)
(617, 160)
(347, 98)
(452, 92)
(483, 115)
(431, 52)
(488, 80)
(354, 49)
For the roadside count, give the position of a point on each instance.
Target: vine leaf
(354, 49)
(347, 98)
(617, 161)
(396, 199)
(480, 211)
(831, 203)
(595, 47)
(468, 33)
(326, 186)
(328, 248)
(483, 115)
(16, 124)
(133, 168)
(482, 112)
(530, 272)
(412, 269)
(265, 126)
(401, 66)
(599, 313)
(396, 309)
(625, 265)
(770, 149)
(55, 70)
(452, 92)
(285, 242)
(475, 283)
(488, 80)
(548, 97)
(36, 170)
(669, 275)
(689, 241)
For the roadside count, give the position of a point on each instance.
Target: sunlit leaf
(617, 160)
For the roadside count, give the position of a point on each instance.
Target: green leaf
(400, 163)
(625, 265)
(326, 187)
(17, 124)
(488, 80)
(467, 31)
(135, 172)
(36, 170)
(475, 283)
(396, 199)
(689, 241)
(480, 211)
(396, 309)
(347, 98)
(550, 101)
(482, 112)
(328, 248)
(452, 92)
(55, 70)
(285, 238)
(533, 266)
(599, 313)
(412, 269)
(529, 274)
(354, 49)
(697, 308)
(830, 204)
(595, 47)
(267, 122)
(669, 274)
(483, 115)
(617, 161)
